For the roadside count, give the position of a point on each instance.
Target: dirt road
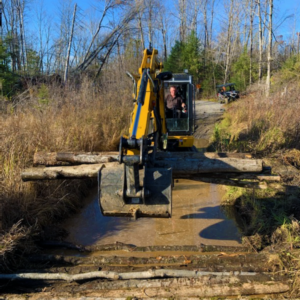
(208, 113)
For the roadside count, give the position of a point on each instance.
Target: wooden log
(61, 158)
(179, 288)
(238, 176)
(230, 182)
(64, 172)
(189, 164)
(199, 291)
(125, 276)
(86, 158)
(180, 167)
(195, 155)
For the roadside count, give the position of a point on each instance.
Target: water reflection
(197, 218)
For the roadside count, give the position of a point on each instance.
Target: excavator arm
(135, 187)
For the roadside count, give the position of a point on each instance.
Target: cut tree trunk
(64, 172)
(187, 164)
(193, 163)
(61, 158)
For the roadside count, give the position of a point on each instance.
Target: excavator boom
(136, 187)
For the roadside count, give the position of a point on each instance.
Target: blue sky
(286, 13)
(282, 9)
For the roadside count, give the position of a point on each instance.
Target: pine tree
(175, 63)
(7, 78)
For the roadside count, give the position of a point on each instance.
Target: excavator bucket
(157, 203)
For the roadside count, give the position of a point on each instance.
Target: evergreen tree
(241, 71)
(191, 56)
(185, 55)
(7, 78)
(175, 61)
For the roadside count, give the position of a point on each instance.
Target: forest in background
(217, 41)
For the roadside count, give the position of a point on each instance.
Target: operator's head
(173, 91)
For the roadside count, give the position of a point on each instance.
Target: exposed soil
(156, 271)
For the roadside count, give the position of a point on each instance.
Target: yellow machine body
(136, 187)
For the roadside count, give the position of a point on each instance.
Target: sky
(282, 9)
(286, 13)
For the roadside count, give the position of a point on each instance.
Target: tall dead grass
(265, 124)
(51, 118)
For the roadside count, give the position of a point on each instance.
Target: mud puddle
(197, 219)
(197, 216)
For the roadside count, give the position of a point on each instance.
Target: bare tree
(108, 40)
(70, 43)
(229, 40)
(269, 54)
(140, 5)
(260, 39)
(251, 39)
(182, 16)
(20, 5)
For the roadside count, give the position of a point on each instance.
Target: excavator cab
(181, 125)
(137, 187)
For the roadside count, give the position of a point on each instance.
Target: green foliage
(175, 62)
(33, 61)
(210, 75)
(189, 55)
(185, 56)
(43, 95)
(291, 68)
(7, 78)
(241, 71)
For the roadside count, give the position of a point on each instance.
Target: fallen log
(237, 183)
(124, 276)
(168, 289)
(61, 158)
(188, 164)
(239, 176)
(64, 172)
(198, 291)
(216, 262)
(180, 166)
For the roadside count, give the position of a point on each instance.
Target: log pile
(223, 168)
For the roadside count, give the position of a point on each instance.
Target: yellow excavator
(137, 187)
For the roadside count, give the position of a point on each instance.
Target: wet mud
(197, 218)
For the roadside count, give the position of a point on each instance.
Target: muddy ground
(64, 270)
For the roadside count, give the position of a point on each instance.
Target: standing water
(197, 218)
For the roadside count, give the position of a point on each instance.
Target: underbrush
(51, 118)
(261, 125)
(266, 127)
(266, 218)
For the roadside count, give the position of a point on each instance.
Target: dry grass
(52, 118)
(266, 124)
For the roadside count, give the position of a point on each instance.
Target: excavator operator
(175, 105)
